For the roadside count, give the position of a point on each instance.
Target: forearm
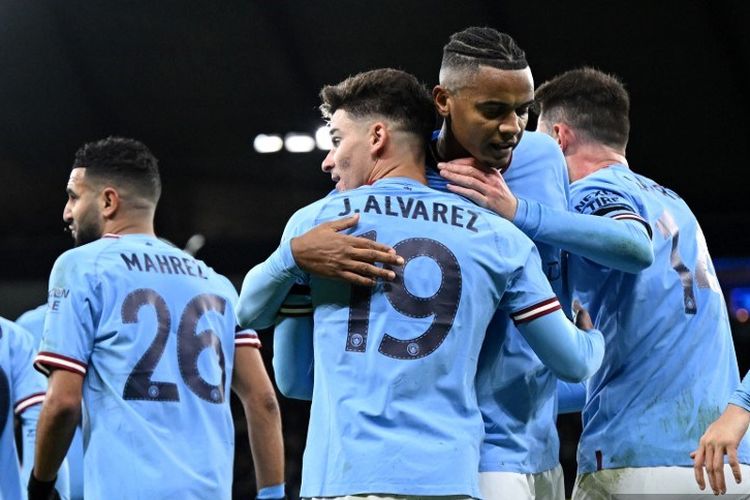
(741, 396)
(57, 423)
(264, 288)
(621, 245)
(266, 441)
(293, 357)
(572, 354)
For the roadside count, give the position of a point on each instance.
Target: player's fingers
(458, 169)
(371, 256)
(718, 468)
(356, 279)
(710, 464)
(360, 242)
(474, 196)
(697, 457)
(734, 464)
(582, 318)
(345, 223)
(370, 271)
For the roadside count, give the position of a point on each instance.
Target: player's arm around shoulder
(252, 385)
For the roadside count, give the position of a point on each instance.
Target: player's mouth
(503, 147)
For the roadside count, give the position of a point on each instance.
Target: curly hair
(122, 161)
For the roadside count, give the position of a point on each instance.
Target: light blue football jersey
(517, 393)
(20, 388)
(654, 395)
(394, 407)
(741, 396)
(33, 322)
(152, 330)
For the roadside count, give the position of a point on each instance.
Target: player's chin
(497, 158)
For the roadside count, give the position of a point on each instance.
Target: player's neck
(130, 226)
(586, 159)
(447, 147)
(400, 164)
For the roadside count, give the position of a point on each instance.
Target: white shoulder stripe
(30, 401)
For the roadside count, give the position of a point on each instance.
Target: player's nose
(510, 126)
(67, 214)
(327, 164)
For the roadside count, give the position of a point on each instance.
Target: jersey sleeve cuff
(298, 302)
(740, 399)
(286, 259)
(45, 362)
(638, 218)
(247, 338)
(536, 311)
(27, 402)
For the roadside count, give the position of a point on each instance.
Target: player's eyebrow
(333, 131)
(70, 192)
(503, 104)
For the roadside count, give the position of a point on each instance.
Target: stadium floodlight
(323, 138)
(295, 142)
(264, 143)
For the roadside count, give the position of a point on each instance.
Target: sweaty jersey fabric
(654, 395)
(152, 330)
(20, 388)
(516, 391)
(394, 408)
(33, 322)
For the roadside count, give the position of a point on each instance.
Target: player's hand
(325, 251)
(481, 184)
(721, 438)
(41, 490)
(581, 317)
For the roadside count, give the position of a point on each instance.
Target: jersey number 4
(442, 305)
(139, 385)
(669, 229)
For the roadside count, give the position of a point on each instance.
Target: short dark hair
(122, 160)
(390, 93)
(590, 101)
(480, 46)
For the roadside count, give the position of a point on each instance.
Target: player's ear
(563, 134)
(379, 136)
(109, 202)
(442, 102)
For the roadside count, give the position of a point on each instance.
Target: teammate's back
(395, 365)
(647, 354)
(152, 330)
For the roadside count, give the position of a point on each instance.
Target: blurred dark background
(197, 81)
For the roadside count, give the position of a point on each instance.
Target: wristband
(274, 492)
(41, 490)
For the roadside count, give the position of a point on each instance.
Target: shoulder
(538, 143)
(17, 337)
(31, 318)
(221, 283)
(539, 153)
(304, 218)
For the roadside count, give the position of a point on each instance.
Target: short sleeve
(246, 337)
(529, 295)
(28, 386)
(73, 306)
